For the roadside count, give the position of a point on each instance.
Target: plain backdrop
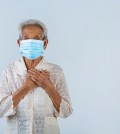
(84, 39)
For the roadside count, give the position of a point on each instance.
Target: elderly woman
(33, 92)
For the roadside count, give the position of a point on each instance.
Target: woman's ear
(18, 41)
(45, 44)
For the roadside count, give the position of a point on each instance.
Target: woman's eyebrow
(39, 33)
(40, 36)
(36, 35)
(25, 36)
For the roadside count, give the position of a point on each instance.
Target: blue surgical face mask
(31, 49)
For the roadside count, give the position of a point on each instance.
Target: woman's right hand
(29, 83)
(22, 91)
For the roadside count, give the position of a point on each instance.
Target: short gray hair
(33, 22)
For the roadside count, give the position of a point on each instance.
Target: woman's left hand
(41, 78)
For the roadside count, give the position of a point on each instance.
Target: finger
(34, 73)
(38, 83)
(38, 79)
(33, 79)
(33, 76)
(37, 72)
(45, 72)
(42, 76)
(31, 72)
(45, 80)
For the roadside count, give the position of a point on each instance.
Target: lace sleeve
(6, 102)
(65, 107)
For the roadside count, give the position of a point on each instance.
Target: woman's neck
(31, 64)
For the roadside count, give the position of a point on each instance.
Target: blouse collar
(21, 69)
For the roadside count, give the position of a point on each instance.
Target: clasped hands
(36, 78)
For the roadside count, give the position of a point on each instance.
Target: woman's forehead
(32, 29)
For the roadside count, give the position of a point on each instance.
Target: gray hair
(33, 22)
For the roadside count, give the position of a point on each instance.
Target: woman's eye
(25, 37)
(36, 38)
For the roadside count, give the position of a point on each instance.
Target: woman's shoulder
(10, 68)
(55, 67)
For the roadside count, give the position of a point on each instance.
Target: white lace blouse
(35, 114)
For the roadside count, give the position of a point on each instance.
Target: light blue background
(84, 40)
